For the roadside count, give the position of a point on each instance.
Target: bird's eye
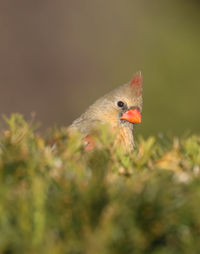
(120, 104)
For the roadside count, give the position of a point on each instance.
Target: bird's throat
(125, 136)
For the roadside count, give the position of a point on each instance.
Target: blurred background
(57, 57)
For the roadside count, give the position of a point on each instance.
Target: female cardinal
(121, 108)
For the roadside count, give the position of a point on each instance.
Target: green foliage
(57, 198)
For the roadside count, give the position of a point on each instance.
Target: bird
(121, 108)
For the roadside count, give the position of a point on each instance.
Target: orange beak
(132, 115)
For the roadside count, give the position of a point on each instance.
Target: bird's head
(122, 105)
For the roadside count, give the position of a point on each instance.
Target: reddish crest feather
(137, 79)
(136, 83)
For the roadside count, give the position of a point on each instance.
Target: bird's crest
(136, 83)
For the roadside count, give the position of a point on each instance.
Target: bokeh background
(57, 57)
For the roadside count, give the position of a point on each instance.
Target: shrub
(55, 198)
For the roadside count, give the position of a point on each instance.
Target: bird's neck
(125, 137)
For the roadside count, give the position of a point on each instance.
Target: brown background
(57, 57)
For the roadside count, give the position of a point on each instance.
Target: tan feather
(106, 110)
